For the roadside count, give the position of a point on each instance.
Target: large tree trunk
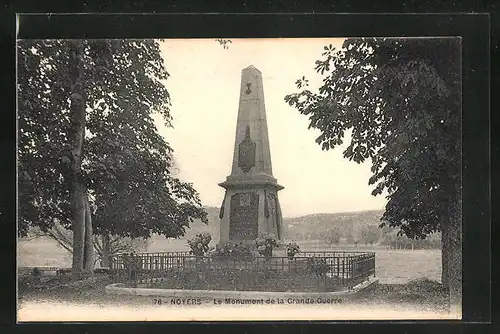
(78, 215)
(452, 258)
(445, 251)
(78, 191)
(455, 259)
(88, 264)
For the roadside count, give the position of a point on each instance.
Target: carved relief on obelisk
(250, 206)
(246, 152)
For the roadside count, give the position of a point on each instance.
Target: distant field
(42, 252)
(392, 266)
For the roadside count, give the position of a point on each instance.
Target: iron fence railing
(307, 271)
(148, 261)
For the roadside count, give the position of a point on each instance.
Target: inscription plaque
(244, 215)
(245, 199)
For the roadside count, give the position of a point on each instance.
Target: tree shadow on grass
(420, 292)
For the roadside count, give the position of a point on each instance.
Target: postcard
(239, 179)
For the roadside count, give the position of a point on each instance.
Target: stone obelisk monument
(250, 206)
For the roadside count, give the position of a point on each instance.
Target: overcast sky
(204, 87)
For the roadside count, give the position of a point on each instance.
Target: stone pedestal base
(248, 213)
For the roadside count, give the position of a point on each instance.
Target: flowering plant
(235, 250)
(265, 245)
(199, 244)
(292, 249)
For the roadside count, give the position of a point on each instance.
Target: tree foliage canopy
(126, 162)
(401, 100)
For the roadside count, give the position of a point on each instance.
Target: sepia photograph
(239, 179)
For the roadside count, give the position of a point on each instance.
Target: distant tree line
(366, 235)
(395, 241)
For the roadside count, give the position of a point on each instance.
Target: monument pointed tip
(251, 67)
